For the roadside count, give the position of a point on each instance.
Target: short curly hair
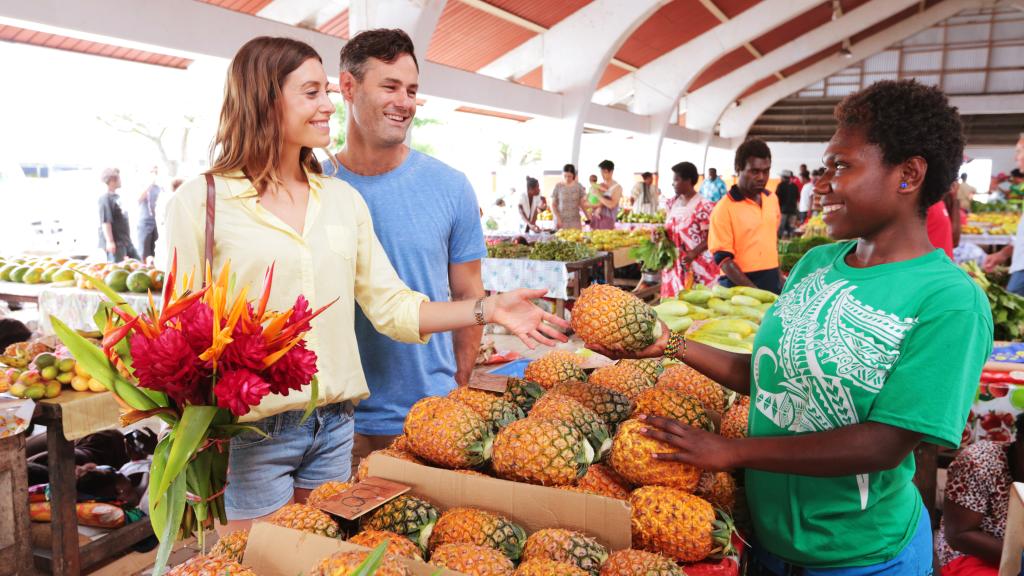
(687, 171)
(905, 118)
(752, 148)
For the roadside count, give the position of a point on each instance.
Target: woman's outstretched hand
(520, 316)
(656, 350)
(690, 445)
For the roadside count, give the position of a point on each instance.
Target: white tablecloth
(503, 275)
(76, 307)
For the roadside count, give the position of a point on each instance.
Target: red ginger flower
(293, 371)
(197, 326)
(301, 314)
(166, 363)
(239, 390)
(245, 351)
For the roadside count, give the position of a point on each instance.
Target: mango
(44, 360)
(52, 389)
(35, 391)
(80, 384)
(66, 364)
(96, 386)
(65, 377)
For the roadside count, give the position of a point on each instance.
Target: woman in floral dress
(687, 225)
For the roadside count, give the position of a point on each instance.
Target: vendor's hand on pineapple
(656, 350)
(693, 446)
(515, 311)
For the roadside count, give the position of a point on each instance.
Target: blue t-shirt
(426, 216)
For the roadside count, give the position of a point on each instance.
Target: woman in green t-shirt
(875, 345)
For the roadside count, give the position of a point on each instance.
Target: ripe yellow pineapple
(326, 491)
(565, 546)
(613, 407)
(494, 409)
(694, 383)
(523, 393)
(231, 545)
(549, 568)
(397, 545)
(615, 319)
(401, 442)
(734, 423)
(565, 409)
(305, 518)
(554, 368)
(472, 560)
(407, 516)
(209, 566)
(447, 433)
(652, 367)
(639, 563)
(479, 527)
(363, 470)
(673, 403)
(633, 457)
(544, 452)
(622, 378)
(679, 525)
(603, 481)
(718, 488)
(346, 564)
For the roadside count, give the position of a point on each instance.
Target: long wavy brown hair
(249, 135)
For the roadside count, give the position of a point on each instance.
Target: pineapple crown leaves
(513, 547)
(584, 458)
(723, 529)
(480, 452)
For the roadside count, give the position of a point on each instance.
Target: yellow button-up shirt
(336, 256)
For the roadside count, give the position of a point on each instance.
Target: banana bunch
(726, 318)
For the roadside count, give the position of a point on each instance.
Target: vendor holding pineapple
(851, 368)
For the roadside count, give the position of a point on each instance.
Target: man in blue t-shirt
(427, 218)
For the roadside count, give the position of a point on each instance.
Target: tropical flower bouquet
(199, 364)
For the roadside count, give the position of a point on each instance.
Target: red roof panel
(470, 39)
(733, 8)
(611, 74)
(721, 67)
(543, 12)
(668, 28)
(534, 78)
(337, 26)
(58, 42)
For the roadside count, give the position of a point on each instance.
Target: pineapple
(652, 367)
(718, 488)
(549, 568)
(326, 491)
(556, 367)
(231, 545)
(401, 442)
(633, 457)
(347, 563)
(494, 409)
(397, 545)
(734, 423)
(675, 404)
(613, 407)
(472, 560)
(603, 481)
(679, 525)
(565, 409)
(565, 546)
(448, 433)
(639, 563)
(209, 566)
(695, 384)
(622, 378)
(363, 470)
(542, 452)
(305, 518)
(523, 393)
(407, 516)
(472, 526)
(615, 319)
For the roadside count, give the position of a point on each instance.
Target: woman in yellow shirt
(273, 206)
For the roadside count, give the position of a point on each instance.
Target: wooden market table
(69, 417)
(23, 293)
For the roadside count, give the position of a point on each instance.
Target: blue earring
(903, 184)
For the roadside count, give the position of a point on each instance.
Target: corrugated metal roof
(668, 28)
(492, 113)
(47, 40)
(247, 6)
(722, 66)
(470, 39)
(543, 12)
(337, 26)
(611, 74)
(534, 79)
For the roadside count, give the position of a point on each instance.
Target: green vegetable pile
(655, 254)
(791, 251)
(981, 207)
(1007, 307)
(558, 251)
(642, 218)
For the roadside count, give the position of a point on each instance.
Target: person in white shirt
(645, 195)
(529, 206)
(807, 196)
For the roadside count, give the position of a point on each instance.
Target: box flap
(533, 507)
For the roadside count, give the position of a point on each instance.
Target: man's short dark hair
(647, 175)
(963, 175)
(569, 168)
(606, 165)
(686, 171)
(531, 182)
(384, 44)
(713, 170)
(905, 118)
(1016, 173)
(753, 148)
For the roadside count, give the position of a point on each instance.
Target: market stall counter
(22, 293)
(71, 416)
(76, 307)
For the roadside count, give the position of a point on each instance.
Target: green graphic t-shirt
(902, 344)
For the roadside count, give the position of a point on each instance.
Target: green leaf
(156, 474)
(172, 509)
(109, 293)
(369, 566)
(185, 439)
(314, 393)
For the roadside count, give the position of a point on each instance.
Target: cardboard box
(277, 551)
(532, 507)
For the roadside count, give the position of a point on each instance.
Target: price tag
(489, 383)
(366, 496)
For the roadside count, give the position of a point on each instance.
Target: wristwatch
(478, 312)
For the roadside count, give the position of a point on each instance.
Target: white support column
(576, 52)
(736, 122)
(417, 17)
(705, 106)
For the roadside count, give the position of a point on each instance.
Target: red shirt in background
(940, 228)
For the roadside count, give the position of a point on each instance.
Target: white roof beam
(306, 13)
(705, 106)
(736, 122)
(417, 17)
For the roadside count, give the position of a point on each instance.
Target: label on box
(366, 496)
(489, 383)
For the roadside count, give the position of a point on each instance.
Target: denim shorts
(263, 473)
(914, 560)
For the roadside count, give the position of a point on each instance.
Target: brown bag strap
(211, 210)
